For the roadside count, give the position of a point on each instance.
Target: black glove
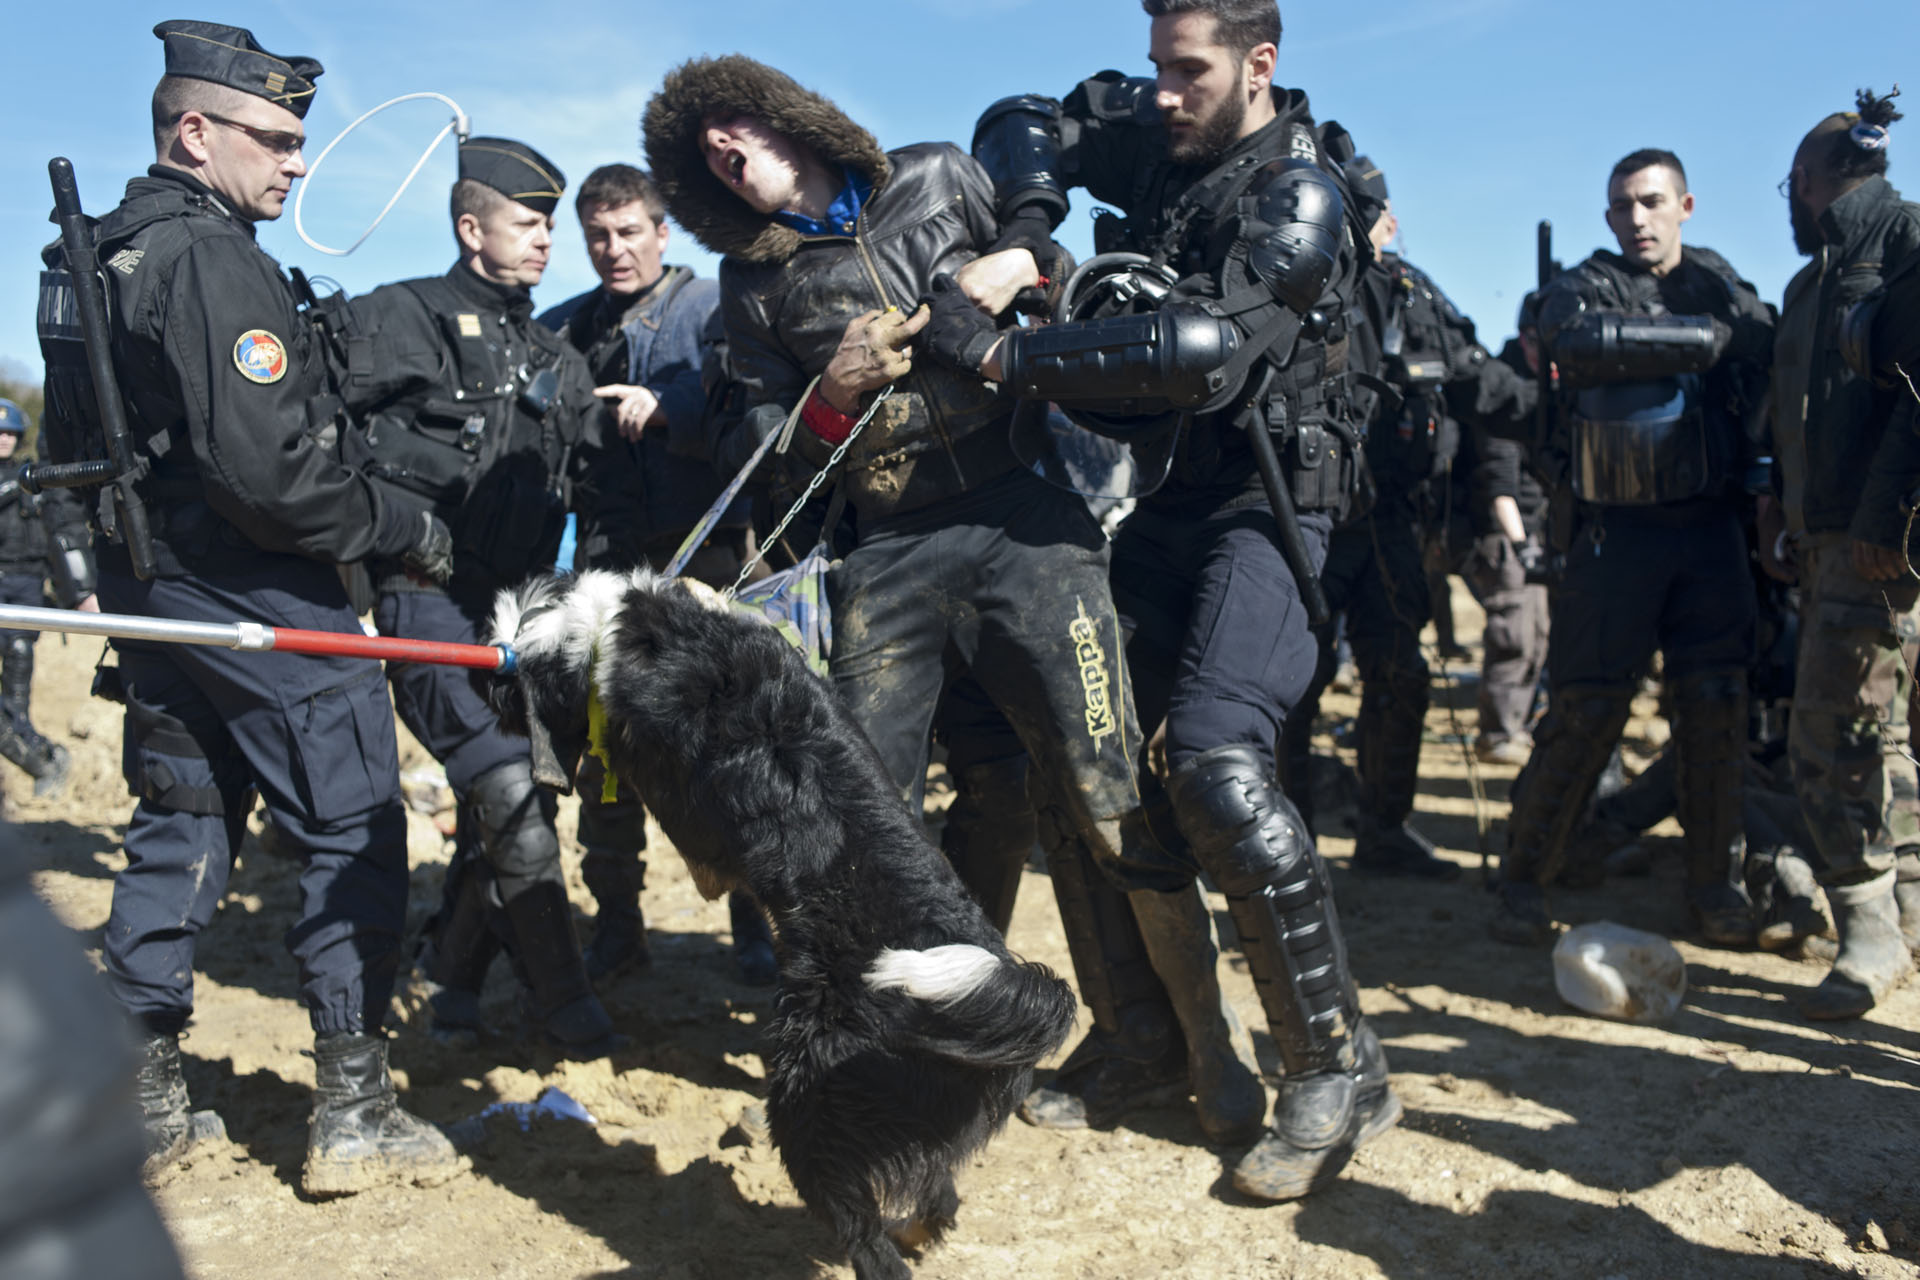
(431, 558)
(959, 334)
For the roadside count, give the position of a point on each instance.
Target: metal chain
(806, 495)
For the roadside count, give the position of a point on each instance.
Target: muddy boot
(753, 957)
(990, 833)
(613, 835)
(1873, 957)
(560, 1002)
(1135, 1056)
(1570, 751)
(1710, 763)
(165, 1113)
(1398, 851)
(1228, 1096)
(359, 1136)
(1906, 896)
(1320, 1120)
(1785, 895)
(1335, 1095)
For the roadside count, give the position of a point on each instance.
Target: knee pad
(516, 819)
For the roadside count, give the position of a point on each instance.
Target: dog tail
(976, 1007)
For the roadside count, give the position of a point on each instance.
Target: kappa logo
(126, 260)
(1092, 660)
(260, 357)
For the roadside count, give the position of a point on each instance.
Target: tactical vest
(483, 444)
(1306, 395)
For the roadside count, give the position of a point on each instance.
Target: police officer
(837, 254)
(1231, 189)
(252, 509)
(1507, 515)
(1661, 353)
(1407, 333)
(43, 538)
(478, 410)
(1843, 437)
(650, 333)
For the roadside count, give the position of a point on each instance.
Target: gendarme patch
(260, 356)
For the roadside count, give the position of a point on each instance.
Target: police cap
(13, 419)
(515, 170)
(232, 57)
(1366, 179)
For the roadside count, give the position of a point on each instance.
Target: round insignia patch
(260, 356)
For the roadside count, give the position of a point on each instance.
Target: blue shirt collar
(842, 214)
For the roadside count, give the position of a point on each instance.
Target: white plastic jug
(1616, 972)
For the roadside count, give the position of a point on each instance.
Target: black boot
(45, 762)
(1393, 716)
(1228, 1096)
(1135, 1056)
(753, 955)
(516, 827)
(560, 998)
(990, 833)
(460, 947)
(165, 1113)
(613, 836)
(1335, 1096)
(1710, 760)
(1570, 750)
(1873, 957)
(360, 1137)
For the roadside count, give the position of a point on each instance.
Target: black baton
(1543, 370)
(90, 297)
(1292, 545)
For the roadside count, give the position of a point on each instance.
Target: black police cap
(232, 57)
(515, 170)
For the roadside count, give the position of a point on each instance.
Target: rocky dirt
(1734, 1141)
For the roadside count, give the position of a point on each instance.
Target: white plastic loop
(459, 126)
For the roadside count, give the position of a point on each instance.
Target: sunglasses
(275, 142)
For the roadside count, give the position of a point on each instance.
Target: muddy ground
(1734, 1141)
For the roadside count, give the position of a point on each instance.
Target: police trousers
(1221, 648)
(206, 727)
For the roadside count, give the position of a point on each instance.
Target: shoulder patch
(127, 261)
(260, 357)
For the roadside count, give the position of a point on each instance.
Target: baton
(1293, 547)
(1543, 273)
(255, 637)
(90, 298)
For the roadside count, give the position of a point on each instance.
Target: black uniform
(1411, 335)
(1220, 646)
(480, 412)
(43, 538)
(1649, 439)
(251, 508)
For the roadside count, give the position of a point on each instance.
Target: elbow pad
(1171, 357)
(1017, 142)
(1597, 347)
(1294, 242)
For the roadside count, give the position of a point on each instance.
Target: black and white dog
(904, 1033)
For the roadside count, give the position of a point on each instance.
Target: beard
(1213, 135)
(1806, 228)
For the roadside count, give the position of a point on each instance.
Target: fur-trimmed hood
(738, 85)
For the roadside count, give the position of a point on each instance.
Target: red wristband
(826, 421)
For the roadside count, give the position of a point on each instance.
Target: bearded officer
(1229, 184)
(252, 510)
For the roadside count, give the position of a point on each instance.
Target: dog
(904, 1033)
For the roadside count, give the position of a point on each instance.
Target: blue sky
(1487, 115)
